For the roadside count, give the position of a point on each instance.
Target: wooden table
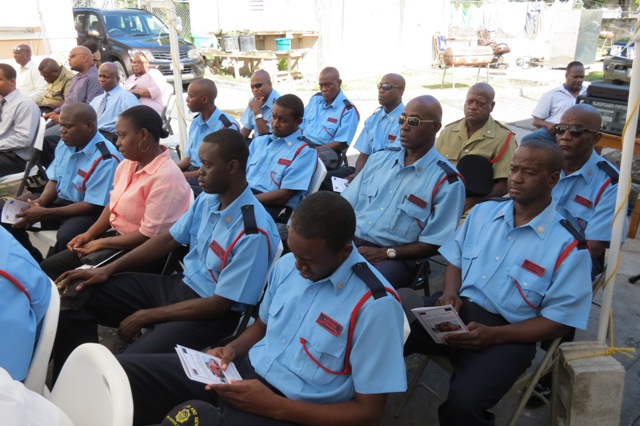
(612, 141)
(256, 60)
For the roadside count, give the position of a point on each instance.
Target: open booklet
(10, 210)
(440, 321)
(205, 368)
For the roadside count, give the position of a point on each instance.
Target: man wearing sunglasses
(256, 117)
(479, 134)
(29, 81)
(330, 119)
(407, 202)
(586, 192)
(555, 102)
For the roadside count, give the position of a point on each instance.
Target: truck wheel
(122, 72)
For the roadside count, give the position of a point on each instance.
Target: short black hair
(327, 216)
(555, 157)
(8, 71)
(292, 103)
(144, 117)
(574, 64)
(231, 146)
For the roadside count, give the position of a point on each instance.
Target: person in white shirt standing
(29, 81)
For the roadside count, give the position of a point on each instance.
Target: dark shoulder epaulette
(609, 170)
(365, 273)
(582, 242)
(451, 173)
(225, 121)
(347, 104)
(102, 147)
(249, 219)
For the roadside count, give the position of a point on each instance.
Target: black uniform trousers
(159, 384)
(480, 378)
(124, 294)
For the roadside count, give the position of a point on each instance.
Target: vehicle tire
(122, 71)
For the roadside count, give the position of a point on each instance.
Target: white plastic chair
(32, 168)
(318, 176)
(93, 389)
(37, 373)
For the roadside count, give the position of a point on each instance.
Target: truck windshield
(135, 25)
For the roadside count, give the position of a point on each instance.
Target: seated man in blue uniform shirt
(232, 241)
(302, 361)
(281, 165)
(381, 130)
(516, 275)
(407, 202)
(201, 98)
(256, 117)
(112, 102)
(80, 180)
(25, 292)
(330, 119)
(586, 192)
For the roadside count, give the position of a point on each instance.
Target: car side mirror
(93, 33)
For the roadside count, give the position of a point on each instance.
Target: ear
(553, 179)
(493, 104)
(233, 167)
(437, 127)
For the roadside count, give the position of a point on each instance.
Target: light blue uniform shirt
(396, 205)
(70, 169)
(281, 164)
(324, 123)
(295, 308)
(19, 317)
(579, 199)
(199, 129)
(381, 131)
(118, 101)
(248, 119)
(493, 256)
(210, 232)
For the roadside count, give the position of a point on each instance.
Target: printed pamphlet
(440, 321)
(204, 368)
(10, 210)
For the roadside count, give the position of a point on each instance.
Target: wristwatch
(391, 253)
(259, 116)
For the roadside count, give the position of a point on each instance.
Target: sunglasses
(20, 49)
(73, 55)
(256, 86)
(386, 86)
(576, 130)
(413, 121)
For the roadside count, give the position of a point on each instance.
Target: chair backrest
(33, 165)
(93, 389)
(168, 102)
(317, 178)
(37, 373)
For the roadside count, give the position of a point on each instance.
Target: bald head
(261, 85)
(329, 82)
(484, 89)
(390, 91)
(108, 76)
(207, 88)
(428, 107)
(421, 120)
(22, 54)
(395, 79)
(80, 59)
(478, 106)
(583, 114)
(78, 124)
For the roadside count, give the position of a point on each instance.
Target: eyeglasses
(413, 121)
(256, 86)
(20, 49)
(386, 86)
(73, 55)
(576, 130)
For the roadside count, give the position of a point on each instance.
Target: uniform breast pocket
(214, 258)
(411, 218)
(275, 308)
(323, 351)
(526, 290)
(276, 175)
(369, 193)
(469, 258)
(329, 129)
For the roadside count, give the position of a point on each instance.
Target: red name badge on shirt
(217, 249)
(533, 268)
(332, 120)
(392, 138)
(81, 173)
(417, 201)
(284, 161)
(329, 324)
(583, 201)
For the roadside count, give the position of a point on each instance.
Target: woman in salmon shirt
(149, 195)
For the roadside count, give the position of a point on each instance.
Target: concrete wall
(359, 37)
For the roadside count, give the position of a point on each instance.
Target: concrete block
(590, 388)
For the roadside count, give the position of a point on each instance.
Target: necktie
(103, 104)
(2, 102)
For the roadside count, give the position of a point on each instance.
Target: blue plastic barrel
(283, 44)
